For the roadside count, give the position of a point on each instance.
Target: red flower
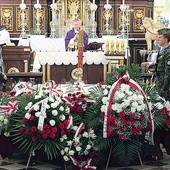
(164, 111)
(122, 114)
(134, 131)
(122, 129)
(32, 118)
(63, 132)
(132, 115)
(73, 108)
(139, 128)
(124, 121)
(54, 129)
(33, 129)
(44, 136)
(83, 101)
(24, 120)
(61, 126)
(102, 114)
(34, 139)
(27, 132)
(168, 120)
(21, 129)
(79, 110)
(46, 126)
(52, 135)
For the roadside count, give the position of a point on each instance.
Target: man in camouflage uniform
(163, 63)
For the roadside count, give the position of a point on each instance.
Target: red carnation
(47, 131)
(122, 129)
(134, 131)
(139, 128)
(79, 110)
(61, 125)
(24, 120)
(54, 129)
(34, 139)
(32, 118)
(124, 121)
(44, 136)
(122, 114)
(63, 132)
(33, 129)
(52, 135)
(27, 132)
(132, 115)
(21, 129)
(73, 108)
(46, 126)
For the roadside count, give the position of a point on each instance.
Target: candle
(93, 1)
(22, 1)
(123, 2)
(37, 1)
(53, 1)
(107, 1)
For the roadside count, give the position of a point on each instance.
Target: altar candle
(53, 1)
(107, 1)
(123, 2)
(93, 1)
(37, 1)
(22, 1)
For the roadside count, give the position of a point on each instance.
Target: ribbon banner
(12, 107)
(114, 88)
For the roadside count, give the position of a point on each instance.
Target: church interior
(52, 97)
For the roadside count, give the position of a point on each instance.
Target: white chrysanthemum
(103, 108)
(126, 102)
(66, 158)
(54, 105)
(129, 93)
(133, 110)
(167, 105)
(134, 97)
(85, 134)
(134, 104)
(88, 147)
(59, 100)
(71, 152)
(69, 143)
(140, 97)
(64, 136)
(37, 114)
(27, 115)
(124, 87)
(104, 100)
(62, 117)
(54, 112)
(5, 121)
(67, 110)
(78, 148)
(77, 140)
(51, 99)
(1, 118)
(47, 106)
(105, 92)
(28, 106)
(124, 105)
(61, 108)
(52, 122)
(159, 105)
(66, 149)
(121, 95)
(36, 107)
(117, 107)
(75, 128)
(139, 108)
(38, 96)
(62, 152)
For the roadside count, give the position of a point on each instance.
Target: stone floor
(19, 163)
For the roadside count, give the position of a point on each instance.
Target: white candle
(107, 1)
(53, 1)
(123, 2)
(22, 1)
(37, 1)
(93, 1)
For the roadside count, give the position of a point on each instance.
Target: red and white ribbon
(114, 88)
(12, 106)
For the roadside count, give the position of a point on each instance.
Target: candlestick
(107, 1)
(53, 1)
(22, 1)
(93, 1)
(37, 1)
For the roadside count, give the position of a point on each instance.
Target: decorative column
(37, 6)
(54, 21)
(93, 8)
(107, 8)
(23, 7)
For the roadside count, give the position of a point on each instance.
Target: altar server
(71, 37)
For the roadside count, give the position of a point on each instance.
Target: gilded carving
(139, 15)
(27, 21)
(7, 17)
(42, 19)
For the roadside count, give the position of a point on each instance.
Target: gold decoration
(13, 70)
(77, 73)
(7, 17)
(73, 9)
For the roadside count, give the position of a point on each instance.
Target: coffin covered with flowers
(80, 123)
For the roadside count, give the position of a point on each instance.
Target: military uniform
(163, 72)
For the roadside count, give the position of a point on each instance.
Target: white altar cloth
(66, 58)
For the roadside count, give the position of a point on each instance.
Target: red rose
(54, 129)
(79, 110)
(33, 129)
(134, 131)
(47, 131)
(21, 129)
(32, 118)
(61, 125)
(132, 115)
(63, 132)
(46, 126)
(139, 128)
(122, 114)
(52, 135)
(44, 136)
(34, 139)
(124, 121)
(24, 120)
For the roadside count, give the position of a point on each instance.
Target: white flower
(47, 106)
(159, 105)
(167, 105)
(51, 99)
(88, 147)
(64, 136)
(69, 143)
(121, 95)
(134, 104)
(117, 107)
(61, 108)
(62, 152)
(5, 121)
(1, 118)
(105, 92)
(52, 122)
(27, 115)
(67, 110)
(77, 140)
(37, 114)
(85, 134)
(28, 106)
(71, 152)
(75, 128)
(103, 108)
(36, 107)
(54, 112)
(66, 149)
(38, 96)
(62, 117)
(133, 110)
(78, 148)
(66, 158)
(54, 105)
